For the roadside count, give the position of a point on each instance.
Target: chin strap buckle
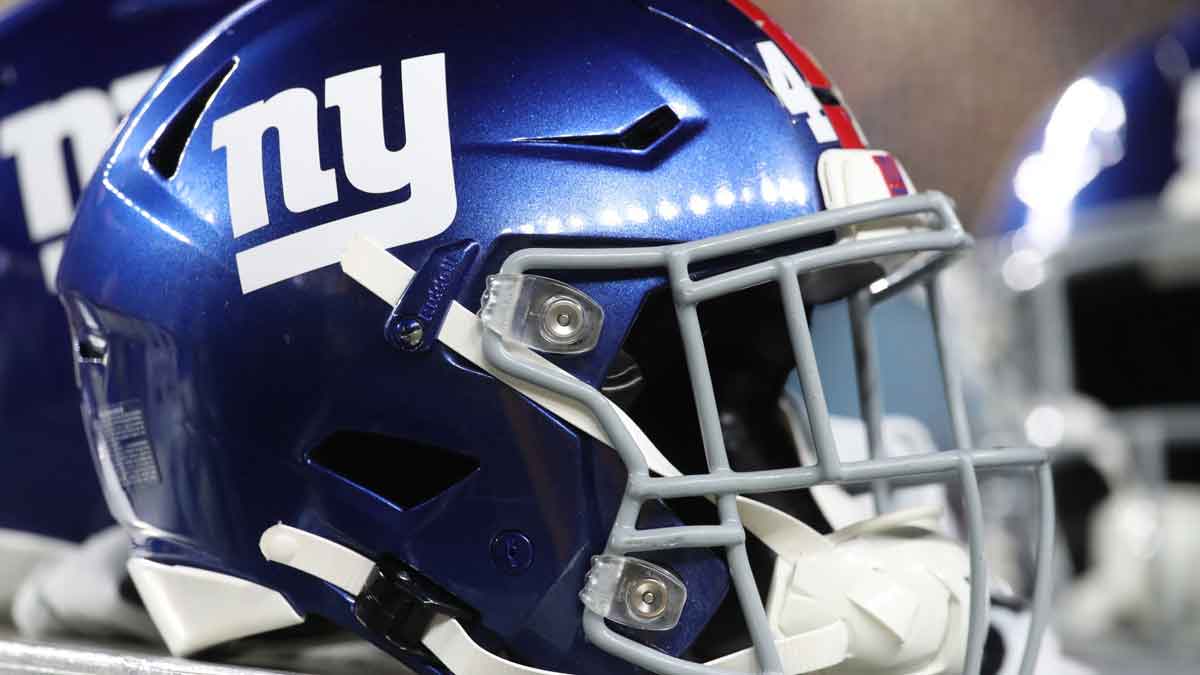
(399, 604)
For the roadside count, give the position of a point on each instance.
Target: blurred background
(948, 85)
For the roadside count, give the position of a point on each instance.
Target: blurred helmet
(69, 71)
(440, 322)
(1098, 240)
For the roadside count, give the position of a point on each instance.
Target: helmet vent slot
(639, 136)
(167, 151)
(405, 473)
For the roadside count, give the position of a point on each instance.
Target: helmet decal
(846, 128)
(795, 93)
(424, 164)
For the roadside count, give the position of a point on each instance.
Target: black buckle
(399, 604)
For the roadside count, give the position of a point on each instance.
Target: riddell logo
(424, 164)
(36, 138)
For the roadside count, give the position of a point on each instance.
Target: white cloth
(79, 593)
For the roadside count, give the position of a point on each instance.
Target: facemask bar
(726, 485)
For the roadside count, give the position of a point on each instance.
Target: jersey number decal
(794, 92)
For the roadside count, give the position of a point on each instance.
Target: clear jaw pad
(541, 313)
(634, 593)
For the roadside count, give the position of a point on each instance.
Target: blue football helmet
(1097, 247)
(464, 327)
(58, 112)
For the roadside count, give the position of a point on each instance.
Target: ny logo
(83, 121)
(424, 164)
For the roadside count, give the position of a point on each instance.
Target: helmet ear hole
(383, 465)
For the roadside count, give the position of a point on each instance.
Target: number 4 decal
(794, 92)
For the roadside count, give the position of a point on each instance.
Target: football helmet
(434, 321)
(57, 116)
(1097, 249)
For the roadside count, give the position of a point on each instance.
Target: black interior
(1135, 341)
(383, 465)
(1183, 462)
(749, 356)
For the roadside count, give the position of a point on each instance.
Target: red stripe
(808, 68)
(843, 126)
(839, 117)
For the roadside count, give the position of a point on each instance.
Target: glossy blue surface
(1143, 82)
(237, 389)
(50, 50)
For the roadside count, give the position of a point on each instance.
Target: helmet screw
(562, 320)
(648, 599)
(408, 334)
(512, 552)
